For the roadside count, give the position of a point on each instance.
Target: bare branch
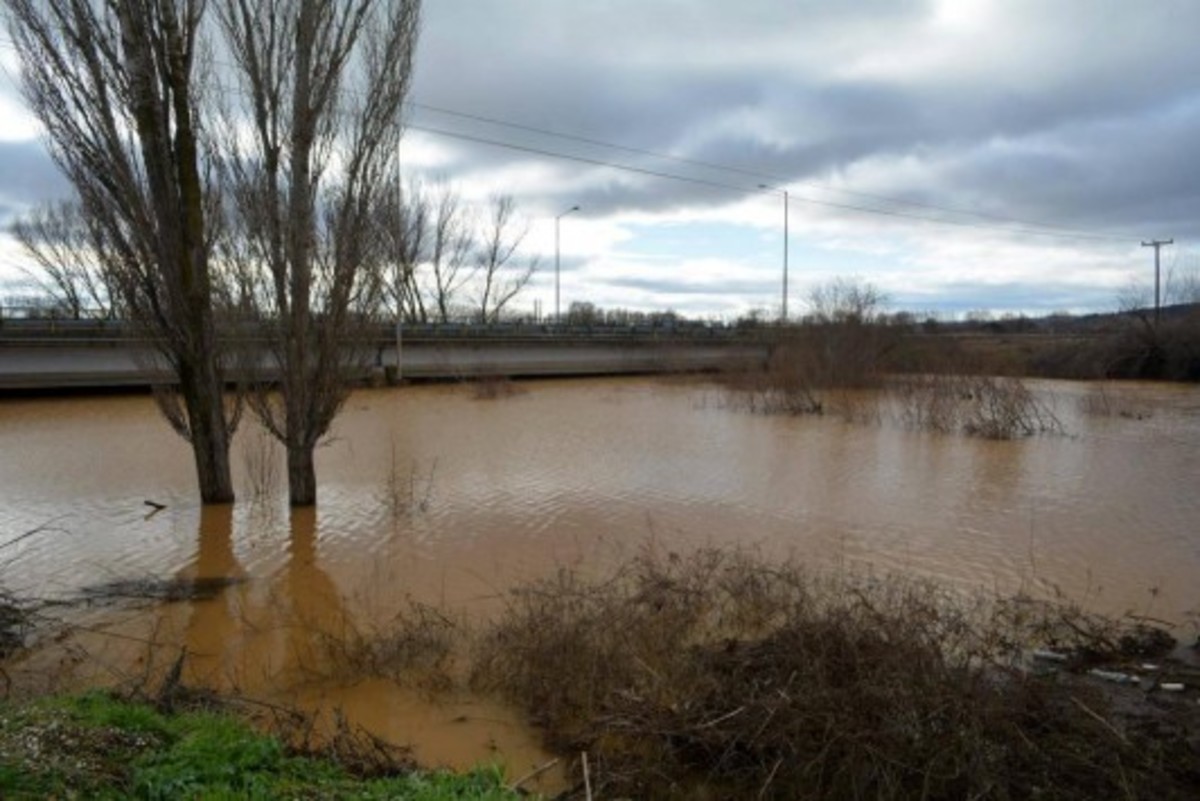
(114, 85)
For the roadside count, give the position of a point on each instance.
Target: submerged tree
(116, 86)
(322, 86)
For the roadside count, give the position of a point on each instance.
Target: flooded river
(428, 493)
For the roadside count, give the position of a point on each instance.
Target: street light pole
(1157, 245)
(557, 262)
(784, 306)
(785, 254)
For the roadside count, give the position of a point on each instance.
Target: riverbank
(721, 675)
(102, 746)
(714, 674)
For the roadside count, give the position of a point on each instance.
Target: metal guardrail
(76, 330)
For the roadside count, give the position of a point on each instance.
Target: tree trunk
(302, 476)
(209, 431)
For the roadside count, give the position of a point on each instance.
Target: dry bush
(929, 402)
(408, 493)
(261, 458)
(818, 368)
(1101, 401)
(720, 676)
(991, 407)
(15, 623)
(1168, 349)
(788, 385)
(1084, 638)
(415, 648)
(1005, 408)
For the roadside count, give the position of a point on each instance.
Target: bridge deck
(95, 357)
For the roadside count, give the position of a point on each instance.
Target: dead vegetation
(14, 624)
(992, 407)
(847, 350)
(1101, 400)
(416, 647)
(721, 675)
(408, 493)
(786, 386)
(260, 461)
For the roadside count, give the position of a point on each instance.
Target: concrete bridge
(56, 355)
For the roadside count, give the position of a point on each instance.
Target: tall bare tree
(449, 256)
(443, 264)
(405, 221)
(66, 249)
(323, 84)
(115, 84)
(500, 278)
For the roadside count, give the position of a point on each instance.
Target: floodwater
(430, 495)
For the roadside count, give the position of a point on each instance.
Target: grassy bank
(99, 746)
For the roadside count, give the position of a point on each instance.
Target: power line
(1038, 229)
(730, 169)
(756, 190)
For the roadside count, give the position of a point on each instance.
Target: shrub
(721, 676)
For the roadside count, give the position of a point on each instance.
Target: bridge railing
(46, 327)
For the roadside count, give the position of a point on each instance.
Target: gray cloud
(1077, 113)
(30, 177)
(1045, 298)
(684, 286)
(1098, 94)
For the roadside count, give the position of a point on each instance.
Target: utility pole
(1157, 245)
(785, 255)
(783, 316)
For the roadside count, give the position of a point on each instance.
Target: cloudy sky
(1008, 155)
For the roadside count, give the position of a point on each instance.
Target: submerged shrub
(721, 675)
(992, 407)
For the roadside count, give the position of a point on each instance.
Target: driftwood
(151, 589)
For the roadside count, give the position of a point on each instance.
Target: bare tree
(323, 85)
(70, 267)
(440, 266)
(847, 338)
(1183, 281)
(1181, 285)
(115, 85)
(845, 300)
(449, 254)
(405, 219)
(500, 279)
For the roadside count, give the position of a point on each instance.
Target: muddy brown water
(428, 493)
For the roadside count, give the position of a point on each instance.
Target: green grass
(97, 746)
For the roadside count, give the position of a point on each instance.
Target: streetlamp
(784, 315)
(557, 261)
